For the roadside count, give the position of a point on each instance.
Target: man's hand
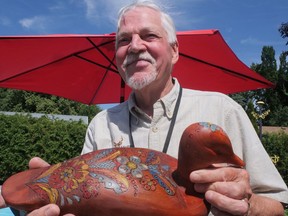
(37, 162)
(227, 189)
(2, 202)
(48, 210)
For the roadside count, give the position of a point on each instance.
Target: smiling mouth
(135, 62)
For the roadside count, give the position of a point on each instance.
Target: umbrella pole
(122, 91)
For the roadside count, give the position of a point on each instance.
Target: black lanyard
(168, 137)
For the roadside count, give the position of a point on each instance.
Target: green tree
(23, 137)
(31, 102)
(282, 84)
(284, 31)
(268, 69)
(275, 98)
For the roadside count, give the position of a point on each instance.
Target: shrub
(276, 144)
(23, 137)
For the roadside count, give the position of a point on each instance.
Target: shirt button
(155, 129)
(169, 114)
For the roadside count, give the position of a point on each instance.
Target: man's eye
(150, 36)
(123, 41)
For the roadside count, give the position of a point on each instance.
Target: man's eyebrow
(123, 34)
(142, 31)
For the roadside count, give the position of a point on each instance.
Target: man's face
(143, 53)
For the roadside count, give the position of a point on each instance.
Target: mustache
(133, 57)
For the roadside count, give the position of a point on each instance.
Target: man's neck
(147, 97)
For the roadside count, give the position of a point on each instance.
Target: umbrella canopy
(82, 67)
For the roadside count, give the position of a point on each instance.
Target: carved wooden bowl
(125, 181)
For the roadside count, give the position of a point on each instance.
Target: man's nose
(136, 44)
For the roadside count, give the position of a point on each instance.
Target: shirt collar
(168, 101)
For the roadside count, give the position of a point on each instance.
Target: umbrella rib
(222, 68)
(93, 62)
(107, 68)
(103, 54)
(76, 54)
(35, 68)
(102, 80)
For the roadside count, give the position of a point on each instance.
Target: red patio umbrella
(82, 67)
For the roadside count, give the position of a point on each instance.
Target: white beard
(139, 82)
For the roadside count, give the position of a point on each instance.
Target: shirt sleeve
(89, 143)
(264, 177)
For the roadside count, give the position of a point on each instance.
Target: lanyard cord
(172, 124)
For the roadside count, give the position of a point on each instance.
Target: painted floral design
(84, 177)
(148, 183)
(210, 126)
(132, 165)
(69, 175)
(90, 188)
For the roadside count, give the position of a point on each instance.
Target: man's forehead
(145, 19)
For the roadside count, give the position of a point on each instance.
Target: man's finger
(48, 210)
(218, 175)
(2, 202)
(230, 189)
(37, 162)
(226, 204)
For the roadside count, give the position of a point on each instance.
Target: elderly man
(159, 110)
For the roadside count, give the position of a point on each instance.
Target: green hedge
(276, 144)
(23, 137)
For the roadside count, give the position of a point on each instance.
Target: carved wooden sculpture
(125, 181)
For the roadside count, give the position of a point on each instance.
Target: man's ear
(175, 52)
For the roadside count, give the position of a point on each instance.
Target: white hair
(166, 19)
